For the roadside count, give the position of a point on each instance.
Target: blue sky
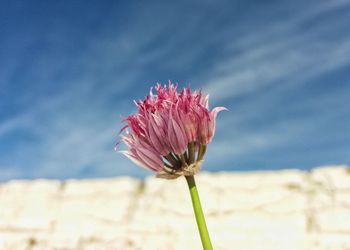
(70, 69)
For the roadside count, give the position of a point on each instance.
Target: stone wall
(289, 209)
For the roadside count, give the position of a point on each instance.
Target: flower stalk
(197, 207)
(169, 136)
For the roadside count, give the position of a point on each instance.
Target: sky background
(70, 69)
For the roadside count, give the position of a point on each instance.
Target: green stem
(202, 227)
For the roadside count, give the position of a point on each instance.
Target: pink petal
(155, 137)
(135, 160)
(176, 136)
(153, 160)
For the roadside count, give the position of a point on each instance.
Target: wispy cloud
(290, 51)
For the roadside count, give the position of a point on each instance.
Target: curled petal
(215, 111)
(211, 123)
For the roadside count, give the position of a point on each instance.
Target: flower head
(170, 131)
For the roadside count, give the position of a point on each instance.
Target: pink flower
(170, 131)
